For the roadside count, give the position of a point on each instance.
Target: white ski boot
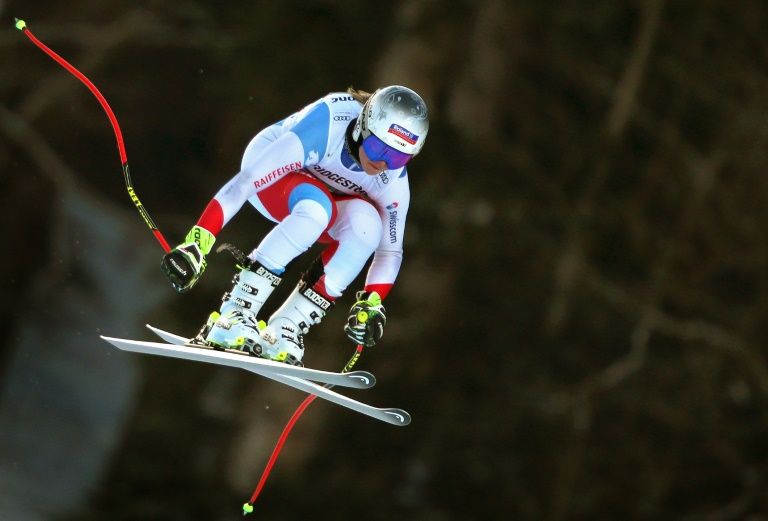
(235, 325)
(284, 336)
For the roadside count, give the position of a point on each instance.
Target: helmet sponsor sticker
(402, 133)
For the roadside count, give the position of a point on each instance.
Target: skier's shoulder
(342, 108)
(332, 110)
(341, 101)
(317, 124)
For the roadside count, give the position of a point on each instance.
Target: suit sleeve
(388, 257)
(291, 144)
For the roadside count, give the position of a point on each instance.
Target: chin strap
(350, 143)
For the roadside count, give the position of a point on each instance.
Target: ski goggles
(377, 150)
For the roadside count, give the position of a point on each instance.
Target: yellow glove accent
(202, 237)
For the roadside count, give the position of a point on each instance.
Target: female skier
(334, 172)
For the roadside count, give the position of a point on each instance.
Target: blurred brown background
(579, 326)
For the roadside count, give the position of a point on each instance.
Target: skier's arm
(383, 270)
(282, 148)
(367, 316)
(274, 161)
(297, 141)
(389, 255)
(186, 262)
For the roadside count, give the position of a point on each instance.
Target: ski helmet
(397, 116)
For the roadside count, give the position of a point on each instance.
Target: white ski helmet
(397, 116)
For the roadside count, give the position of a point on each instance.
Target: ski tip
(365, 379)
(397, 417)
(20, 24)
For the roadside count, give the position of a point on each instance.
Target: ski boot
(284, 336)
(235, 325)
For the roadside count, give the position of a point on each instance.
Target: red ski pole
(22, 26)
(248, 507)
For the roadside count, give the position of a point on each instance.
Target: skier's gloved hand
(184, 264)
(367, 317)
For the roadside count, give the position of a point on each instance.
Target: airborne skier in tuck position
(334, 172)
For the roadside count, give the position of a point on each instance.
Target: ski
(354, 379)
(393, 416)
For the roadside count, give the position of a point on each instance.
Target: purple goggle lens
(377, 150)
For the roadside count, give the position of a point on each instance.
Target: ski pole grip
(362, 317)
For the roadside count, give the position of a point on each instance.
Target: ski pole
(21, 25)
(248, 507)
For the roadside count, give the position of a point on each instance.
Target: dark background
(578, 328)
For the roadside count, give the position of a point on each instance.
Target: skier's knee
(365, 223)
(306, 193)
(313, 212)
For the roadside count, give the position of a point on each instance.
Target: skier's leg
(235, 325)
(352, 239)
(296, 233)
(303, 211)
